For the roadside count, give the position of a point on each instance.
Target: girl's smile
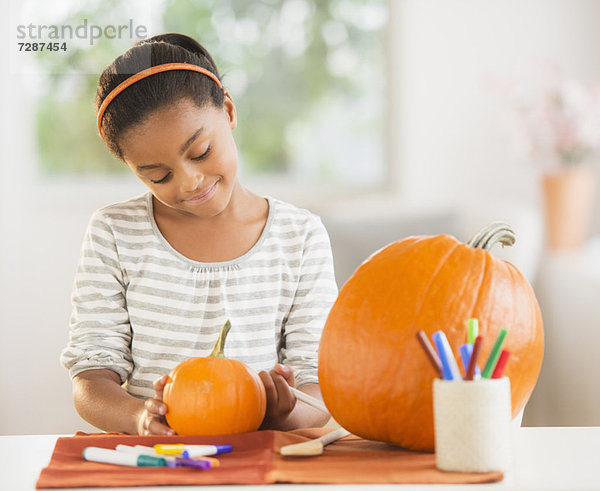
(203, 196)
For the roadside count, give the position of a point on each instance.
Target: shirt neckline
(210, 265)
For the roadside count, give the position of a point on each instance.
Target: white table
(563, 458)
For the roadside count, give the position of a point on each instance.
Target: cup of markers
(160, 455)
(472, 415)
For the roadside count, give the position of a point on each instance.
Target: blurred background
(388, 118)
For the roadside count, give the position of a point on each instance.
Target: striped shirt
(140, 307)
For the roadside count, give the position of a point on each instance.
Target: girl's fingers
(155, 407)
(159, 386)
(285, 399)
(156, 427)
(270, 389)
(287, 373)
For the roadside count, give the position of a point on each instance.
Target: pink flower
(557, 120)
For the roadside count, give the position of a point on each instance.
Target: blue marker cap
(466, 350)
(224, 448)
(446, 372)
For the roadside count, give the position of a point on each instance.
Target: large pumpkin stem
(217, 351)
(491, 234)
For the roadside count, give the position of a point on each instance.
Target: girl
(160, 273)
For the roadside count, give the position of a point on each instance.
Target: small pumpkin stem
(491, 234)
(217, 351)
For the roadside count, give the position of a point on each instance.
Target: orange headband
(146, 73)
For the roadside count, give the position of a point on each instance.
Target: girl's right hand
(152, 419)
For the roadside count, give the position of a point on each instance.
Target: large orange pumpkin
(375, 379)
(214, 395)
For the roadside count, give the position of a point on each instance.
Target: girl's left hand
(280, 400)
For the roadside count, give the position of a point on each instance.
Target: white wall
(41, 225)
(449, 152)
(453, 144)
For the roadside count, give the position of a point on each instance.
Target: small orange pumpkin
(214, 395)
(375, 379)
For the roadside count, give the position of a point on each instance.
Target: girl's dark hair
(136, 102)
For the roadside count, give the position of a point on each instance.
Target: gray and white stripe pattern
(140, 307)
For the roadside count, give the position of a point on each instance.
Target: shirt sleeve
(100, 333)
(315, 295)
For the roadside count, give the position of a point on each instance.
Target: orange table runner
(255, 460)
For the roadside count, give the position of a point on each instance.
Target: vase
(569, 200)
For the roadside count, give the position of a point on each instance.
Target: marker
(472, 330)
(494, 355)
(196, 463)
(143, 450)
(108, 456)
(213, 462)
(209, 462)
(449, 367)
(174, 460)
(471, 370)
(466, 351)
(142, 447)
(430, 352)
(137, 450)
(191, 451)
(501, 365)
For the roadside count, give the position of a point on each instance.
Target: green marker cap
(149, 461)
(472, 330)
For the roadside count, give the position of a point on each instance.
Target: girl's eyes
(168, 176)
(204, 155)
(164, 179)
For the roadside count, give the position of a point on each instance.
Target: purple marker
(197, 464)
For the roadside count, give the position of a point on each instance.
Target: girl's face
(187, 156)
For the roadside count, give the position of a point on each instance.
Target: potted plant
(559, 121)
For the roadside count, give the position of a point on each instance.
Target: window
(307, 77)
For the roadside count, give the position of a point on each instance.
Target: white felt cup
(472, 422)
